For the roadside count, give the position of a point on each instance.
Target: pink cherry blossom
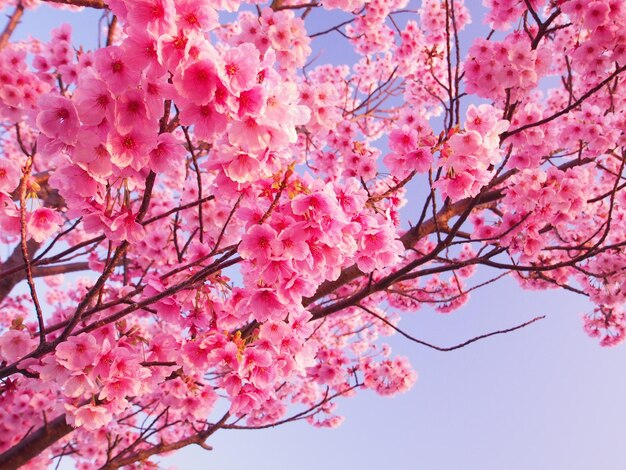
(58, 118)
(78, 352)
(90, 417)
(216, 217)
(42, 223)
(10, 174)
(112, 67)
(241, 65)
(15, 344)
(197, 82)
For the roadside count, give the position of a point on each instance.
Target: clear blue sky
(543, 398)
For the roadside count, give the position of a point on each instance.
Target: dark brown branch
(24, 245)
(334, 28)
(15, 264)
(35, 443)
(296, 7)
(567, 109)
(450, 348)
(99, 4)
(409, 239)
(14, 20)
(45, 271)
(141, 455)
(111, 31)
(312, 410)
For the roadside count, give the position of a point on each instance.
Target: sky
(546, 397)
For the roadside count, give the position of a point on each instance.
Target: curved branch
(35, 443)
(567, 109)
(163, 447)
(449, 348)
(409, 239)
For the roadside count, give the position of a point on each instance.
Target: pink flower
(197, 82)
(156, 89)
(58, 118)
(93, 154)
(15, 344)
(140, 48)
(419, 160)
(93, 101)
(247, 399)
(132, 148)
(265, 304)
(456, 186)
(78, 352)
(157, 16)
(196, 15)
(243, 168)
(315, 205)
(468, 143)
(131, 112)
(251, 135)
(9, 216)
(259, 243)
(241, 66)
(274, 331)
(485, 120)
(206, 120)
(10, 174)
(168, 155)
(78, 384)
(390, 376)
(125, 227)
(120, 387)
(42, 223)
(196, 353)
(90, 417)
(112, 65)
(403, 140)
(250, 101)
(294, 242)
(597, 14)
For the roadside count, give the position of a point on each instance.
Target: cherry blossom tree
(201, 215)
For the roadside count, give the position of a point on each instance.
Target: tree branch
(99, 4)
(449, 348)
(11, 25)
(35, 443)
(567, 109)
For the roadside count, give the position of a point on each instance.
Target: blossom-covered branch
(198, 216)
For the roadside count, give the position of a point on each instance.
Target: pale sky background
(543, 398)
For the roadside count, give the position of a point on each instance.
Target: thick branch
(81, 3)
(35, 443)
(409, 239)
(164, 447)
(7, 283)
(11, 25)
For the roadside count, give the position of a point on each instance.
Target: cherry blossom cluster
(468, 158)
(249, 227)
(279, 31)
(497, 68)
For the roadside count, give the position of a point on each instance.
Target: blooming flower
(42, 223)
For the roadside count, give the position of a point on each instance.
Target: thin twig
(450, 348)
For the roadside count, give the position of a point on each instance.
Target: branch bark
(14, 20)
(409, 239)
(35, 443)
(99, 4)
(7, 283)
